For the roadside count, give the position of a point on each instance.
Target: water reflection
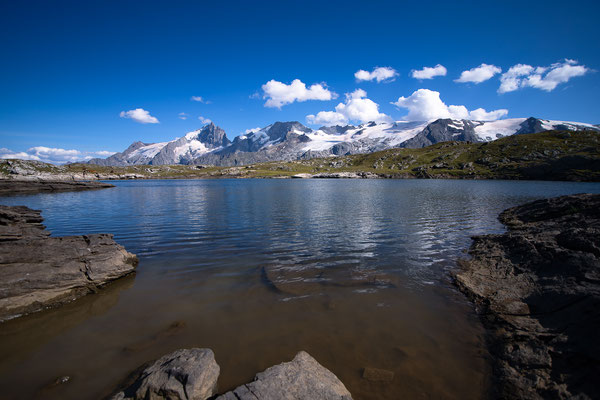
(351, 271)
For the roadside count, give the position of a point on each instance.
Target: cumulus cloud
(426, 105)
(139, 115)
(357, 107)
(379, 74)
(103, 153)
(544, 78)
(182, 115)
(429, 72)
(204, 120)
(479, 74)
(327, 118)
(279, 94)
(200, 99)
(53, 155)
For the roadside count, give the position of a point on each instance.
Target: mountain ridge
(289, 141)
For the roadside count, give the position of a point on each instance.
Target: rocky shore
(537, 288)
(38, 271)
(10, 187)
(192, 374)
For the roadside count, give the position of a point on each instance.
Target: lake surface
(353, 271)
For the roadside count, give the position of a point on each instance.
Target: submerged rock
(172, 330)
(303, 378)
(377, 375)
(186, 374)
(300, 280)
(537, 288)
(38, 271)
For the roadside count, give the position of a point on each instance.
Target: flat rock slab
(186, 374)
(303, 378)
(301, 280)
(537, 287)
(10, 187)
(38, 271)
(377, 375)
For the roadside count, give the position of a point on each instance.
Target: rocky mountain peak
(213, 136)
(530, 125)
(136, 145)
(280, 130)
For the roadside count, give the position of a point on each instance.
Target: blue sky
(71, 71)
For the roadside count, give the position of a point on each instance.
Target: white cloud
(327, 118)
(182, 115)
(139, 115)
(279, 94)
(53, 155)
(429, 72)
(379, 74)
(357, 107)
(426, 105)
(204, 120)
(478, 74)
(200, 99)
(544, 78)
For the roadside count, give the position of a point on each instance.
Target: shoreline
(17, 187)
(39, 271)
(536, 289)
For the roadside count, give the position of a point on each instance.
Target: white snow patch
(572, 126)
(489, 130)
(392, 133)
(148, 151)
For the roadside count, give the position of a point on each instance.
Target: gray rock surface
(303, 378)
(537, 287)
(442, 130)
(38, 271)
(186, 374)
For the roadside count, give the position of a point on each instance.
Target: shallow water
(211, 255)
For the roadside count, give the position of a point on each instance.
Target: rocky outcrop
(38, 271)
(192, 374)
(10, 187)
(537, 287)
(303, 378)
(443, 130)
(186, 374)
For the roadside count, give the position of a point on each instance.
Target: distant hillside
(290, 141)
(550, 155)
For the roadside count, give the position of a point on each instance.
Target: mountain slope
(179, 151)
(288, 141)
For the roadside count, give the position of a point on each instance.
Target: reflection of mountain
(294, 141)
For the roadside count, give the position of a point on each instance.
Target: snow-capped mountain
(183, 150)
(286, 141)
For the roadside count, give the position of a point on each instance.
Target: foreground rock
(191, 374)
(184, 374)
(9, 187)
(537, 288)
(303, 378)
(38, 271)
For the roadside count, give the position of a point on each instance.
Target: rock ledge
(537, 288)
(38, 271)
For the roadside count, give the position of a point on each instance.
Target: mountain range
(288, 141)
